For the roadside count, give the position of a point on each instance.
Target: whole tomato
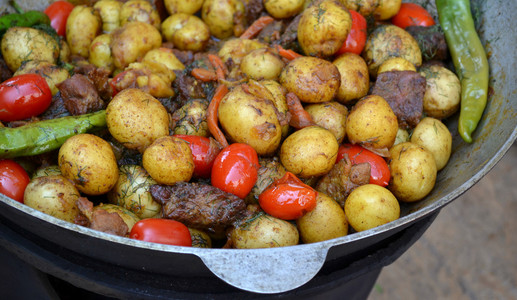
(204, 151)
(356, 38)
(235, 169)
(288, 198)
(379, 169)
(58, 13)
(13, 179)
(411, 14)
(162, 231)
(23, 96)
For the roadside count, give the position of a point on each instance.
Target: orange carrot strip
(287, 53)
(203, 74)
(300, 118)
(256, 27)
(220, 67)
(212, 115)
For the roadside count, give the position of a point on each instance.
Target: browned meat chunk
(200, 206)
(431, 41)
(100, 219)
(188, 88)
(80, 95)
(404, 91)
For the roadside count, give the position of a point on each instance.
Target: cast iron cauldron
(278, 270)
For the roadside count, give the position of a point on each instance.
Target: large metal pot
(284, 269)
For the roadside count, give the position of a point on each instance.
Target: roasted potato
(386, 9)
(200, 238)
(396, 64)
(262, 64)
(436, 138)
(186, 32)
(164, 56)
(443, 92)
(181, 6)
(331, 116)
(237, 49)
(109, 12)
(270, 170)
(191, 118)
(46, 171)
(127, 216)
(364, 7)
(52, 73)
(82, 26)
(100, 53)
(355, 80)
(219, 15)
(264, 231)
(139, 11)
(279, 92)
(281, 9)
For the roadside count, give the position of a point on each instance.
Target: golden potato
(402, 136)
(310, 151)
(191, 118)
(82, 26)
(139, 11)
(312, 79)
(248, 115)
(169, 160)
(386, 9)
(132, 41)
(442, 93)
(369, 206)
(54, 195)
(151, 77)
(181, 6)
(46, 171)
(100, 53)
(200, 238)
(262, 64)
(52, 73)
(413, 172)
(372, 123)
(326, 221)
(132, 192)
(270, 170)
(164, 56)
(281, 9)
(186, 32)
(396, 64)
(109, 11)
(237, 49)
(387, 41)
(89, 162)
(127, 216)
(219, 15)
(363, 7)
(331, 116)
(21, 44)
(279, 93)
(264, 231)
(135, 119)
(323, 28)
(355, 80)
(436, 138)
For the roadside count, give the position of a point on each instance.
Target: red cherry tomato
(288, 198)
(13, 179)
(58, 13)
(23, 96)
(380, 172)
(235, 169)
(204, 151)
(411, 14)
(162, 231)
(356, 38)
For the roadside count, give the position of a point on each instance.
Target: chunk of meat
(404, 91)
(431, 41)
(80, 95)
(100, 219)
(199, 205)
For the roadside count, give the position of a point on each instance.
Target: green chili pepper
(470, 61)
(40, 137)
(21, 19)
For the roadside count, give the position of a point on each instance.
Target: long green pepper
(40, 137)
(470, 61)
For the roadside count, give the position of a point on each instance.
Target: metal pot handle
(266, 271)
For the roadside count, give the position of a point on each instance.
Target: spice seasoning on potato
(331, 116)
(355, 80)
(82, 26)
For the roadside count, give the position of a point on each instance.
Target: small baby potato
(396, 64)
(139, 11)
(127, 216)
(89, 162)
(279, 93)
(46, 171)
(386, 9)
(281, 9)
(364, 7)
(100, 53)
(436, 138)
(52, 73)
(331, 116)
(443, 92)
(219, 15)
(54, 195)
(200, 239)
(237, 49)
(372, 123)
(323, 28)
(270, 170)
(369, 206)
(326, 221)
(387, 41)
(262, 64)
(413, 172)
(190, 119)
(135, 119)
(264, 231)
(169, 160)
(164, 56)
(21, 44)
(355, 80)
(151, 77)
(109, 11)
(312, 79)
(181, 6)
(132, 192)
(132, 41)
(310, 151)
(82, 26)
(186, 32)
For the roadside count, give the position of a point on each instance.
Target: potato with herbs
(219, 15)
(363, 7)
(109, 11)
(436, 138)
(139, 11)
(164, 56)
(355, 79)
(413, 172)
(312, 79)
(82, 26)
(135, 119)
(262, 64)
(100, 53)
(264, 231)
(330, 115)
(396, 64)
(46, 171)
(190, 119)
(326, 221)
(279, 98)
(237, 49)
(186, 32)
(52, 73)
(281, 9)
(310, 151)
(89, 162)
(323, 28)
(21, 44)
(369, 206)
(200, 239)
(181, 6)
(270, 170)
(54, 195)
(169, 160)
(127, 216)
(132, 192)
(386, 9)
(442, 93)
(387, 41)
